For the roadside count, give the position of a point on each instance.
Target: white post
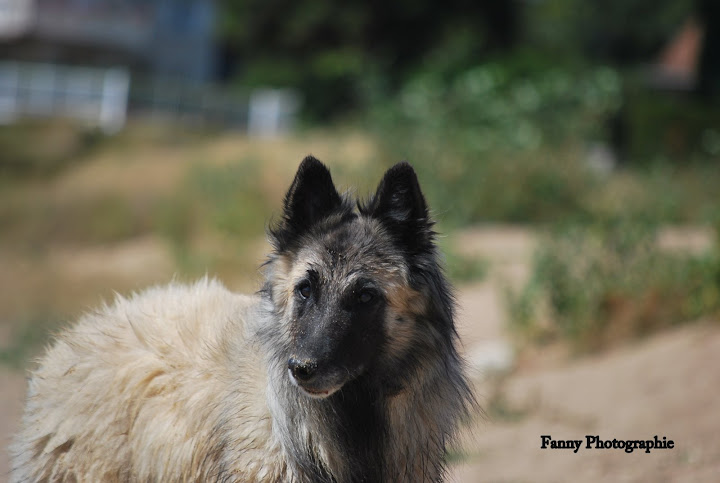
(271, 112)
(113, 109)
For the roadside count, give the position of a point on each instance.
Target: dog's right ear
(312, 196)
(400, 205)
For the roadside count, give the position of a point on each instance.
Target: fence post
(113, 107)
(271, 111)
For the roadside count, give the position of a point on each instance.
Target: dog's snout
(302, 370)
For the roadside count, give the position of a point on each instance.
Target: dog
(344, 367)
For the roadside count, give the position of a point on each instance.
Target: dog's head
(347, 284)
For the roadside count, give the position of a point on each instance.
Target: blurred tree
(341, 55)
(709, 62)
(619, 31)
(337, 54)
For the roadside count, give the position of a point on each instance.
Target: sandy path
(668, 385)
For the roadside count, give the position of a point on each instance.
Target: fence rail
(92, 95)
(103, 97)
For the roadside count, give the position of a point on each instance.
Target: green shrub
(504, 140)
(228, 199)
(463, 268)
(509, 141)
(231, 198)
(594, 285)
(671, 128)
(520, 103)
(27, 339)
(214, 219)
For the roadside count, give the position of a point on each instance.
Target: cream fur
(193, 383)
(178, 383)
(172, 364)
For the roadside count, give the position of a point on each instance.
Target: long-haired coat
(343, 368)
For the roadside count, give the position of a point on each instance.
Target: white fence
(261, 112)
(102, 97)
(91, 95)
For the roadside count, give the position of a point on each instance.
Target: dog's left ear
(311, 197)
(400, 205)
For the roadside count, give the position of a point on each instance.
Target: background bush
(596, 285)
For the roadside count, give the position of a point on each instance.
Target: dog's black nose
(302, 370)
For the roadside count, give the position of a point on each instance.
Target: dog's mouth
(313, 391)
(317, 394)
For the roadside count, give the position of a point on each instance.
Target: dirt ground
(667, 386)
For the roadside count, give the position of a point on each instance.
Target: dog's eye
(304, 289)
(366, 296)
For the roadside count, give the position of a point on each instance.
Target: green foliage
(26, 340)
(225, 205)
(231, 198)
(227, 199)
(597, 284)
(331, 51)
(605, 29)
(670, 128)
(461, 268)
(509, 141)
(500, 139)
(518, 104)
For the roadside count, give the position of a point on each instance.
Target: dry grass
(151, 204)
